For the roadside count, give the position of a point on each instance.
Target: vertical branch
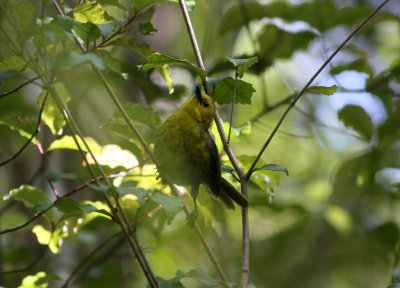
(233, 103)
(228, 150)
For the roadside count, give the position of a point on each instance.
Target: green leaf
(24, 125)
(243, 64)
(56, 176)
(39, 280)
(24, 12)
(273, 167)
(355, 117)
(199, 275)
(68, 142)
(46, 237)
(158, 60)
(73, 59)
(42, 206)
(110, 62)
(146, 28)
(172, 205)
(142, 5)
(323, 89)
(88, 208)
(140, 193)
(29, 195)
(145, 51)
(359, 65)
(288, 41)
(12, 63)
(138, 113)
(91, 12)
(224, 90)
(227, 169)
(321, 15)
(65, 22)
(142, 49)
(86, 31)
(67, 205)
(52, 115)
(106, 29)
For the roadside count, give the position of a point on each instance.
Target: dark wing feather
(213, 177)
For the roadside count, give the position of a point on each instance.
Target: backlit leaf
(223, 93)
(68, 142)
(355, 117)
(323, 89)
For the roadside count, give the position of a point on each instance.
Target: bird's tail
(229, 193)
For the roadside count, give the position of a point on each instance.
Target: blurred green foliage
(324, 197)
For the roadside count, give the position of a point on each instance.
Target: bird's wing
(214, 173)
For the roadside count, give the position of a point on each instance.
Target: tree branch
(293, 102)
(30, 138)
(227, 148)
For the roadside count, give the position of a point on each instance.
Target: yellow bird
(188, 155)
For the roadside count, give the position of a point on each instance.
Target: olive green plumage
(188, 155)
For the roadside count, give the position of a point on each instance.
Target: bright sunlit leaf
(68, 142)
(39, 280)
(91, 12)
(339, 218)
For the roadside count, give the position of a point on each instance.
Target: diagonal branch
(293, 102)
(30, 138)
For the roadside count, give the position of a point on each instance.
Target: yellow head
(200, 107)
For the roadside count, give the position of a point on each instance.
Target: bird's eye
(205, 104)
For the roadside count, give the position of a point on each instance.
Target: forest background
(81, 78)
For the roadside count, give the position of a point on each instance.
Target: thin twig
(293, 102)
(222, 134)
(19, 87)
(30, 138)
(36, 261)
(233, 103)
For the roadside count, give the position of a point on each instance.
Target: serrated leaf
(223, 93)
(139, 113)
(242, 64)
(51, 114)
(323, 89)
(273, 167)
(39, 280)
(157, 60)
(56, 176)
(25, 126)
(68, 142)
(355, 117)
(172, 205)
(73, 59)
(91, 12)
